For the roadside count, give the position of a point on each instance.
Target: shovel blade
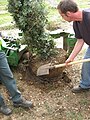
(43, 70)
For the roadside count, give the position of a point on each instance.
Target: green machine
(71, 41)
(12, 49)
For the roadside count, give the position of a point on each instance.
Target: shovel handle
(71, 63)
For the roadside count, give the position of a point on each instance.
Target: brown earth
(35, 64)
(52, 98)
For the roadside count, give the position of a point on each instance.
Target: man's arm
(78, 46)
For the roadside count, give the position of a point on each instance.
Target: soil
(36, 63)
(52, 98)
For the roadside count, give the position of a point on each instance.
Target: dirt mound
(35, 63)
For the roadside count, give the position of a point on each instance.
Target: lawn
(53, 99)
(3, 4)
(5, 18)
(54, 19)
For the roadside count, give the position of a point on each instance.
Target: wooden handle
(71, 63)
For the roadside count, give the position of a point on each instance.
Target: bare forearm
(78, 46)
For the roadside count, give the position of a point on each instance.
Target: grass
(84, 102)
(54, 18)
(3, 4)
(71, 115)
(5, 18)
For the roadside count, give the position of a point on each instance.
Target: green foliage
(30, 17)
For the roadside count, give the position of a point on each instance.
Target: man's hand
(68, 61)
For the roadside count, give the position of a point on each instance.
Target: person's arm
(78, 46)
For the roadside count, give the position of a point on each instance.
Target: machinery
(13, 49)
(69, 40)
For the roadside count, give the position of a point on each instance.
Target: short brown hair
(67, 5)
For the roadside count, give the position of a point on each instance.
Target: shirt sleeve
(76, 30)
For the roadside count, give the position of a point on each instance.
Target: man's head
(66, 9)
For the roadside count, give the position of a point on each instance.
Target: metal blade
(43, 70)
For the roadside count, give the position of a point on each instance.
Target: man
(69, 11)
(6, 77)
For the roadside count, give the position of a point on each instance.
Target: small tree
(30, 17)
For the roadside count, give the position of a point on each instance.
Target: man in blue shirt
(70, 11)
